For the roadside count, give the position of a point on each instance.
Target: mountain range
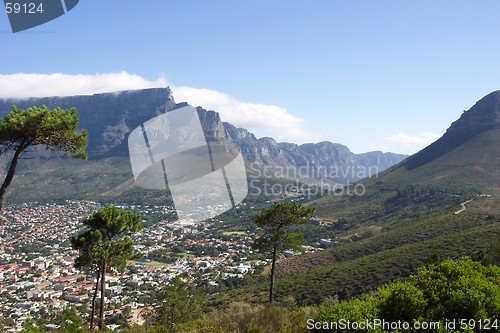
(110, 117)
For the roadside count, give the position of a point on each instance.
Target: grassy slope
(480, 212)
(351, 269)
(413, 230)
(473, 166)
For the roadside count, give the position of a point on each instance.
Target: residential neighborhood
(37, 273)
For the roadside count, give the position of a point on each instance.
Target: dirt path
(463, 206)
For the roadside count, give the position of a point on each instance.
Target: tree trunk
(93, 301)
(271, 287)
(172, 318)
(103, 295)
(10, 173)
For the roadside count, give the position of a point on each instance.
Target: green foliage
(491, 255)
(86, 243)
(275, 222)
(463, 289)
(97, 243)
(70, 321)
(356, 310)
(437, 293)
(179, 303)
(111, 221)
(53, 129)
(401, 300)
(30, 327)
(246, 318)
(275, 236)
(98, 246)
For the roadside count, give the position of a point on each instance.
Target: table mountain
(110, 117)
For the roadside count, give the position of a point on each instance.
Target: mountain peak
(480, 118)
(483, 116)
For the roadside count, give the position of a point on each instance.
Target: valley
(368, 229)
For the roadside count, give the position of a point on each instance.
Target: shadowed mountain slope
(466, 156)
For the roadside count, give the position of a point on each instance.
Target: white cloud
(23, 85)
(419, 139)
(265, 119)
(410, 144)
(270, 120)
(378, 147)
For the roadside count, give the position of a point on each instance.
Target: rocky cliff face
(323, 160)
(110, 117)
(107, 117)
(482, 117)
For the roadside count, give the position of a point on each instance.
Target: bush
(401, 301)
(250, 318)
(462, 289)
(355, 310)
(438, 293)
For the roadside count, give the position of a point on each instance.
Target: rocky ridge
(109, 117)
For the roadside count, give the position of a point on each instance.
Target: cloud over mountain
(22, 85)
(264, 119)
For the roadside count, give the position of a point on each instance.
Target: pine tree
(55, 130)
(275, 236)
(102, 247)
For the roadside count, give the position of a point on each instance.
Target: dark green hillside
(351, 269)
(480, 212)
(388, 207)
(473, 165)
(364, 274)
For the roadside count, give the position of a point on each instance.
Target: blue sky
(372, 75)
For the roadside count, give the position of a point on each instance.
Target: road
(463, 206)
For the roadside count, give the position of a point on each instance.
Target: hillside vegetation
(350, 269)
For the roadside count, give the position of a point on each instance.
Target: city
(37, 273)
